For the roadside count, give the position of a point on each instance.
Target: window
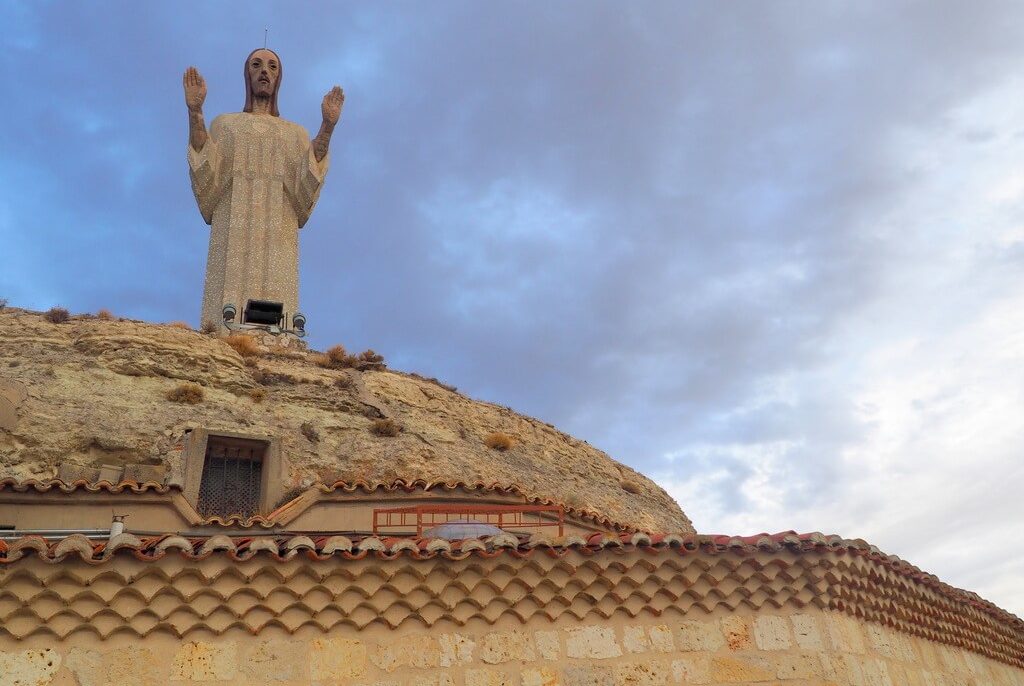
(228, 473)
(232, 477)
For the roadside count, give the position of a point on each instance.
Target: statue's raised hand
(195, 89)
(331, 106)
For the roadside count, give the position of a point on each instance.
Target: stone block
(70, 473)
(842, 668)
(30, 667)
(741, 667)
(736, 631)
(692, 669)
(844, 633)
(498, 647)
(433, 679)
(86, 666)
(587, 675)
(661, 639)
(797, 666)
(644, 673)
(772, 633)
(807, 632)
(634, 639)
(694, 635)
(277, 660)
(455, 649)
(876, 672)
(134, 666)
(544, 676)
(592, 642)
(199, 661)
(548, 645)
(337, 658)
(143, 473)
(487, 677)
(422, 651)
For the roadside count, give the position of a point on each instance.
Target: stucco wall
(799, 649)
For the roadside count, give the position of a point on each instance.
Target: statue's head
(263, 73)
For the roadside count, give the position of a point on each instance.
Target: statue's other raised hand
(195, 89)
(332, 104)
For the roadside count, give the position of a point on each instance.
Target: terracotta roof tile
(871, 585)
(44, 485)
(238, 520)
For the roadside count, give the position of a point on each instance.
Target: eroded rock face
(94, 392)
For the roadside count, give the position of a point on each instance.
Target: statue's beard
(262, 89)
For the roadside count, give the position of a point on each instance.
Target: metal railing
(502, 516)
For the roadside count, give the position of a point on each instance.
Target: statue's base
(270, 341)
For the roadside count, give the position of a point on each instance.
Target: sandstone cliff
(93, 392)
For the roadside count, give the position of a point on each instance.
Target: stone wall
(799, 648)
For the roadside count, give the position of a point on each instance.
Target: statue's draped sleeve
(304, 188)
(204, 168)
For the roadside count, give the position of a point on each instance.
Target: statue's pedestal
(265, 339)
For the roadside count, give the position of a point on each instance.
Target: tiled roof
(287, 580)
(45, 485)
(272, 519)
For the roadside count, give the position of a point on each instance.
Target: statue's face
(263, 73)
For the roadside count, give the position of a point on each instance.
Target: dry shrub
(499, 441)
(209, 328)
(258, 395)
(188, 392)
(336, 357)
(105, 315)
(630, 486)
(385, 427)
(180, 325)
(243, 345)
(371, 357)
(343, 382)
(57, 315)
(310, 432)
(3, 303)
(336, 354)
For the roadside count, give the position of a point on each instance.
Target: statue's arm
(331, 110)
(195, 95)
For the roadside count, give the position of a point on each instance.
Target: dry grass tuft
(209, 328)
(244, 345)
(630, 486)
(336, 354)
(57, 315)
(499, 441)
(258, 395)
(188, 392)
(337, 357)
(310, 432)
(180, 325)
(105, 315)
(343, 382)
(385, 427)
(371, 357)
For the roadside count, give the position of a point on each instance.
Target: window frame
(273, 471)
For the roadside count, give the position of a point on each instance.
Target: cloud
(768, 254)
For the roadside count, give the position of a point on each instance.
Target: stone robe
(256, 181)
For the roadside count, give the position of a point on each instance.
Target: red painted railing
(501, 516)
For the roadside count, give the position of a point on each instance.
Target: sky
(770, 254)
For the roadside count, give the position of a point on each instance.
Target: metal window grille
(231, 480)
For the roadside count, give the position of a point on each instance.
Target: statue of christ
(256, 178)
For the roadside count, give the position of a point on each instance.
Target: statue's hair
(248, 85)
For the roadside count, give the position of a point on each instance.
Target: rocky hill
(92, 391)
